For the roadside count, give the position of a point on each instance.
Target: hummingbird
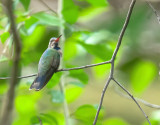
(48, 64)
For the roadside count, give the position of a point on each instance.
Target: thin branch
(19, 77)
(40, 121)
(114, 56)
(48, 6)
(128, 17)
(8, 102)
(62, 80)
(60, 70)
(155, 11)
(101, 100)
(86, 66)
(132, 99)
(139, 100)
(65, 105)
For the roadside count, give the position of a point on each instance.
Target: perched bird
(48, 64)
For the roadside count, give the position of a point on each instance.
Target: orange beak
(57, 40)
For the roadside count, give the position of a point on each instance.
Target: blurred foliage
(70, 11)
(143, 72)
(86, 113)
(4, 36)
(154, 118)
(91, 37)
(115, 121)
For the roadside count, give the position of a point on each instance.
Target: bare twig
(86, 66)
(101, 100)
(123, 29)
(155, 11)
(48, 6)
(65, 105)
(8, 103)
(139, 100)
(19, 77)
(132, 99)
(62, 80)
(40, 121)
(67, 69)
(113, 58)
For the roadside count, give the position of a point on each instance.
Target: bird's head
(53, 43)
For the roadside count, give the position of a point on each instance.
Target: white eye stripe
(52, 44)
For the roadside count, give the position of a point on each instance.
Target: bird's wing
(50, 59)
(48, 65)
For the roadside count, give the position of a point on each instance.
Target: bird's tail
(40, 82)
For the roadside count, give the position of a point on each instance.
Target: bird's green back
(49, 59)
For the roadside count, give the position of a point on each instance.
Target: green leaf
(47, 19)
(30, 21)
(34, 120)
(102, 51)
(90, 13)
(21, 18)
(29, 54)
(4, 36)
(72, 93)
(80, 75)
(48, 119)
(52, 118)
(25, 3)
(115, 121)
(142, 75)
(57, 96)
(70, 11)
(30, 24)
(87, 113)
(23, 31)
(98, 2)
(99, 36)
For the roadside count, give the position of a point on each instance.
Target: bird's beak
(57, 40)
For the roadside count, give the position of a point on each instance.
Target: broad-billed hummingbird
(48, 64)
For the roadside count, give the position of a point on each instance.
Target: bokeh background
(90, 33)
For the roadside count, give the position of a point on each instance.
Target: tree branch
(155, 11)
(19, 77)
(40, 121)
(62, 80)
(60, 70)
(8, 102)
(113, 58)
(48, 6)
(132, 99)
(139, 100)
(101, 100)
(86, 66)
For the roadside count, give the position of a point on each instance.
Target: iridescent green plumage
(49, 59)
(48, 64)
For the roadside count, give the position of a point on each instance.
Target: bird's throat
(56, 47)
